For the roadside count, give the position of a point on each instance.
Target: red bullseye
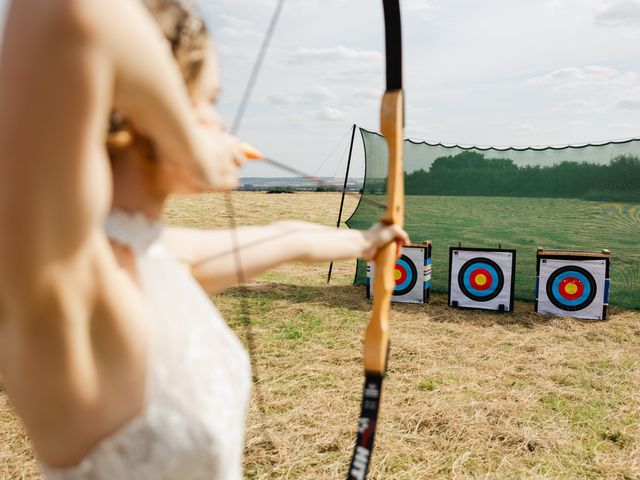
(571, 288)
(480, 279)
(400, 275)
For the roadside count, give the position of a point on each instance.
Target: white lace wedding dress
(198, 380)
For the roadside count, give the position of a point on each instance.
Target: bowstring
(245, 318)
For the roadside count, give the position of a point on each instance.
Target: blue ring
(464, 283)
(555, 288)
(474, 291)
(409, 273)
(553, 291)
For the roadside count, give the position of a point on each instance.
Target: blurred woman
(111, 352)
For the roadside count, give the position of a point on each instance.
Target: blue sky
(497, 72)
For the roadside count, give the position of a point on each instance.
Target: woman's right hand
(219, 158)
(222, 159)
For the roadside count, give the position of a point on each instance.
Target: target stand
(573, 284)
(412, 274)
(482, 278)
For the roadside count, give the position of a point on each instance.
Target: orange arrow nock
(251, 153)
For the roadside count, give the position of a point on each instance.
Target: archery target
(405, 275)
(481, 278)
(410, 275)
(572, 287)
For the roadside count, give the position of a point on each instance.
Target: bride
(110, 350)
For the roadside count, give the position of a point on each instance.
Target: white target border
(504, 258)
(420, 255)
(599, 270)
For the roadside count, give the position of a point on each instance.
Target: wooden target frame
(573, 284)
(413, 275)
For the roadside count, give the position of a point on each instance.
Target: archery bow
(376, 340)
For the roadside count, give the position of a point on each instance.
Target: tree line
(472, 174)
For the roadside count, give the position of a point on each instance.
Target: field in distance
(468, 395)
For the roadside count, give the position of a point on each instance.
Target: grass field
(469, 394)
(525, 224)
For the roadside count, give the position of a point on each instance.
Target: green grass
(524, 224)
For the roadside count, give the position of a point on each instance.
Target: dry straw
(469, 394)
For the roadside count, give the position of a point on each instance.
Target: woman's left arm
(212, 255)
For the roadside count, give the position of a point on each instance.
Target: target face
(572, 286)
(410, 275)
(405, 274)
(480, 278)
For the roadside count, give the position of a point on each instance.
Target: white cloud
(627, 103)
(368, 93)
(576, 124)
(593, 76)
(523, 127)
(420, 130)
(620, 14)
(417, 6)
(320, 94)
(328, 113)
(577, 106)
(236, 28)
(294, 118)
(334, 54)
(231, 33)
(313, 95)
(283, 99)
(624, 126)
(418, 109)
(422, 8)
(236, 22)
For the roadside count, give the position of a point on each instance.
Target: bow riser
(391, 127)
(376, 338)
(377, 333)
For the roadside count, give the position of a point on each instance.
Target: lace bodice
(198, 380)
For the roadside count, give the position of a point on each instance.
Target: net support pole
(344, 192)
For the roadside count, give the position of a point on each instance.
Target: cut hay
(469, 394)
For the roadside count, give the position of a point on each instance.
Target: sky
(496, 72)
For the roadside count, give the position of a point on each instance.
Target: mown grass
(524, 224)
(469, 394)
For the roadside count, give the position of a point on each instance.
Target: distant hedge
(471, 174)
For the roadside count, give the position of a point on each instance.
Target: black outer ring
(571, 268)
(472, 296)
(414, 277)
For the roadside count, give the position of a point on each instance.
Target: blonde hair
(183, 27)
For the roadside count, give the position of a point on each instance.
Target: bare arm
(55, 95)
(211, 254)
(150, 90)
